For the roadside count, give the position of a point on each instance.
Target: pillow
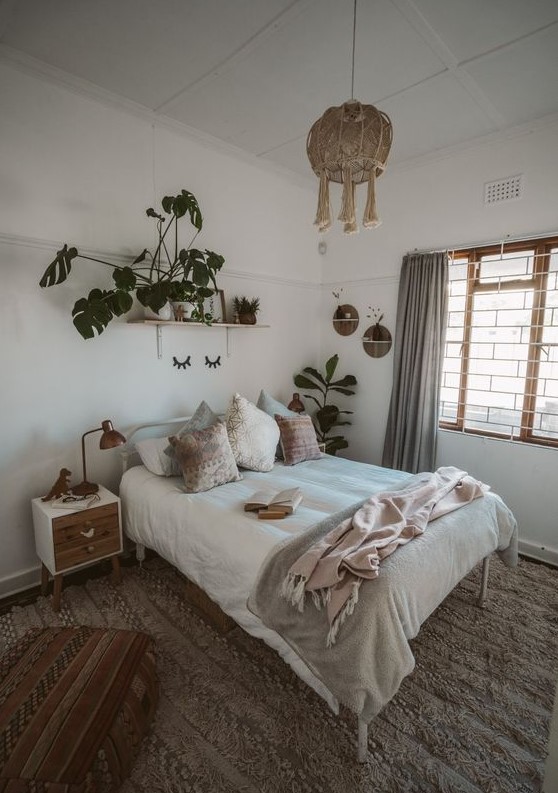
(273, 407)
(298, 439)
(253, 435)
(153, 455)
(206, 458)
(203, 417)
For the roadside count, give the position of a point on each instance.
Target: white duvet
(210, 538)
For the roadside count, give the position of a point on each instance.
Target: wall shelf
(348, 323)
(159, 323)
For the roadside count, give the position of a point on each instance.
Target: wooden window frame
(541, 250)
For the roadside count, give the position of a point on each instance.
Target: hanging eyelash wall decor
(213, 364)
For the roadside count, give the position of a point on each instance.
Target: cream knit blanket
(333, 568)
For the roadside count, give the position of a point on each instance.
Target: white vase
(165, 313)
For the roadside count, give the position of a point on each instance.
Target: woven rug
(473, 717)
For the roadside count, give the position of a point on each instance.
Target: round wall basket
(345, 320)
(376, 341)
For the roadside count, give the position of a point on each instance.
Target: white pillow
(253, 435)
(152, 453)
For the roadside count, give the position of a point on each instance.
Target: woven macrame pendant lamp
(349, 144)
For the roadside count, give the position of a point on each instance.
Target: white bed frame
(130, 457)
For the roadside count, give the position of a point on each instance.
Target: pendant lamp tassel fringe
(347, 213)
(323, 214)
(371, 219)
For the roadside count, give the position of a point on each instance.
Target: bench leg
(362, 741)
(483, 594)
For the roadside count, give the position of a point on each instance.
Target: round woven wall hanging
(349, 144)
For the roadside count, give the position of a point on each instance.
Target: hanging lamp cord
(353, 64)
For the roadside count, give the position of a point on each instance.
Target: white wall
(438, 205)
(76, 170)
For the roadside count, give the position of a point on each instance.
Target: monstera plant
(154, 278)
(327, 417)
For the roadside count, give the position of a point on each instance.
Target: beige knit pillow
(206, 458)
(298, 439)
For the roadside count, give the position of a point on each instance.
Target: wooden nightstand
(66, 540)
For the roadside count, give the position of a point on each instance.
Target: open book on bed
(274, 505)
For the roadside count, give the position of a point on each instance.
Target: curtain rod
(501, 241)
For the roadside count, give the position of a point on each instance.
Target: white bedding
(210, 538)
(222, 553)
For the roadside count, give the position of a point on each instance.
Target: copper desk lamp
(109, 439)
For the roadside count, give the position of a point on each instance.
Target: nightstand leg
(57, 592)
(44, 580)
(115, 569)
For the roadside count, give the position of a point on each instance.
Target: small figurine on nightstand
(60, 487)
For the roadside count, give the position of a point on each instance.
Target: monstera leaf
(92, 313)
(181, 204)
(59, 269)
(154, 296)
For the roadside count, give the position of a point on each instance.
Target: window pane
(507, 266)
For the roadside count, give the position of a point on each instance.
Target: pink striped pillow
(298, 439)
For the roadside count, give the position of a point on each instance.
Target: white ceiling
(257, 73)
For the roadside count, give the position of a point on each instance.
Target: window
(500, 372)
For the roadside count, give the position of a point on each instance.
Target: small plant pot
(247, 319)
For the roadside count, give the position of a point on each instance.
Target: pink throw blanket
(333, 569)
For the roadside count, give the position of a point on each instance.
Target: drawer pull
(90, 548)
(88, 533)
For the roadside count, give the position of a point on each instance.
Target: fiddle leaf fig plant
(327, 415)
(154, 278)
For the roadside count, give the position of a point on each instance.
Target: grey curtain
(410, 442)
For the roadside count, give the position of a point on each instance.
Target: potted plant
(338, 311)
(154, 278)
(327, 415)
(246, 309)
(375, 315)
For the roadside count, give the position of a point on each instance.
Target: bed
(221, 548)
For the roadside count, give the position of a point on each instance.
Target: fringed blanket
(364, 668)
(333, 569)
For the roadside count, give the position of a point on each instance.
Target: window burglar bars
(500, 372)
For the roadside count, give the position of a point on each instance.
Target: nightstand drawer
(92, 524)
(75, 553)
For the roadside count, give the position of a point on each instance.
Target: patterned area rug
(472, 718)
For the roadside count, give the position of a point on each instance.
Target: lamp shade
(110, 437)
(349, 144)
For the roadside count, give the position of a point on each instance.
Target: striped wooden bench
(74, 706)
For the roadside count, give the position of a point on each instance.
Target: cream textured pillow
(298, 439)
(206, 458)
(253, 435)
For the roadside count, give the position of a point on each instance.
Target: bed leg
(481, 602)
(362, 741)
(140, 553)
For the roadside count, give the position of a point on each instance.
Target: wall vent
(508, 189)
